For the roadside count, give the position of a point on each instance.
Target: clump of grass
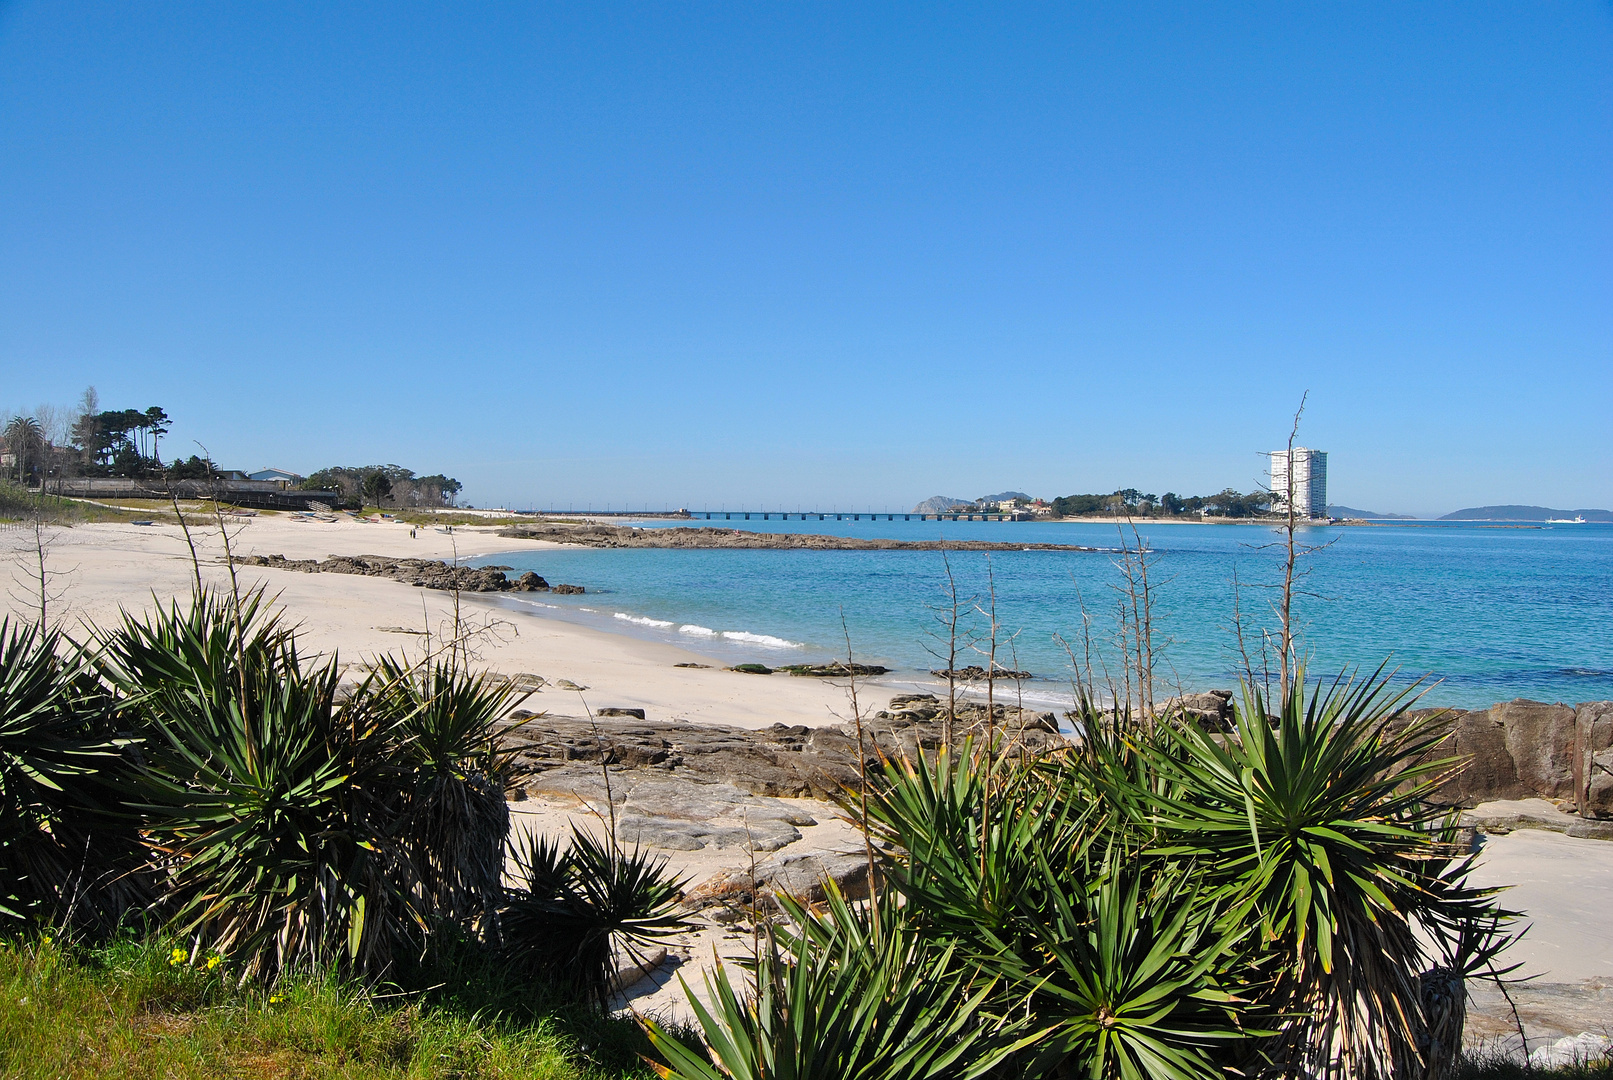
(1488, 1065)
(153, 1009)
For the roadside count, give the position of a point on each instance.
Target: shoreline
(108, 567)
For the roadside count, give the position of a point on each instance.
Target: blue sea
(1484, 612)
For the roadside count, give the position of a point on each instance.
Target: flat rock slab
(802, 874)
(1504, 815)
(675, 813)
(786, 761)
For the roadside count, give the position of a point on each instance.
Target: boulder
(1593, 759)
(569, 590)
(1487, 772)
(636, 714)
(1540, 739)
(530, 582)
(1211, 710)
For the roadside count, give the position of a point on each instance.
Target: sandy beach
(100, 570)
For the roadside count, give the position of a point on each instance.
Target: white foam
(590, 610)
(660, 624)
(698, 631)
(767, 641)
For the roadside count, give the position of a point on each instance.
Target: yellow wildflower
(275, 999)
(214, 961)
(177, 957)
(46, 940)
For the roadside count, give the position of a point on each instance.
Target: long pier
(781, 515)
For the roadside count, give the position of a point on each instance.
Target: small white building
(1306, 470)
(280, 476)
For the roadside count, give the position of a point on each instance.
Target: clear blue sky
(809, 253)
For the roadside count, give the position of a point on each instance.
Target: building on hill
(1309, 479)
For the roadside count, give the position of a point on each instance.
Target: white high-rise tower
(1310, 482)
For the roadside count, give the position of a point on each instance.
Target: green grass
(19, 504)
(125, 1010)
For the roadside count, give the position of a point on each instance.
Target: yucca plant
(849, 994)
(576, 908)
(454, 821)
(1118, 959)
(270, 799)
(1315, 821)
(67, 853)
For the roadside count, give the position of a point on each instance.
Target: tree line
(1130, 502)
(85, 440)
(382, 485)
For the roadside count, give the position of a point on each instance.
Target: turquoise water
(1493, 613)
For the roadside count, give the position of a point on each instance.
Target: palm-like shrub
(269, 796)
(1120, 960)
(66, 852)
(575, 908)
(849, 995)
(1315, 823)
(454, 821)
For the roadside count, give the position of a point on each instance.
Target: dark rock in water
(570, 590)
(636, 714)
(424, 573)
(530, 582)
(834, 669)
(752, 669)
(976, 673)
(625, 536)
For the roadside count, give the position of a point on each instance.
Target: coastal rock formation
(1593, 759)
(1520, 749)
(976, 673)
(1212, 710)
(559, 755)
(834, 669)
(624, 536)
(424, 573)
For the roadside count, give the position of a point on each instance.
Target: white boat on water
(1578, 520)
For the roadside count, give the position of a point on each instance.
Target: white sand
(1564, 886)
(106, 568)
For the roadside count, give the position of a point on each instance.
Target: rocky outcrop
(976, 673)
(1540, 741)
(1593, 759)
(424, 573)
(834, 669)
(1211, 710)
(624, 536)
(558, 754)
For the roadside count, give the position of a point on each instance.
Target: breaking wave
(767, 641)
(660, 624)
